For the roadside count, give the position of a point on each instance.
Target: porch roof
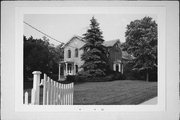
(118, 61)
(66, 62)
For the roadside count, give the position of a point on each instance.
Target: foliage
(39, 55)
(141, 42)
(83, 78)
(94, 55)
(59, 51)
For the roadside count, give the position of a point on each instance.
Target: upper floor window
(76, 52)
(69, 53)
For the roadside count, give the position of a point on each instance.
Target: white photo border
(161, 21)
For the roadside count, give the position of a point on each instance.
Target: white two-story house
(72, 56)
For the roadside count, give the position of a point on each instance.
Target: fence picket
(47, 98)
(60, 94)
(49, 90)
(54, 93)
(71, 94)
(64, 97)
(45, 90)
(65, 94)
(32, 97)
(26, 97)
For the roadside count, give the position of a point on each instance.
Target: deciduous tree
(39, 55)
(141, 42)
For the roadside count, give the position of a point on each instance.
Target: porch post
(119, 67)
(74, 68)
(59, 71)
(66, 68)
(114, 67)
(122, 67)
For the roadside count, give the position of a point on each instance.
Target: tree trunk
(147, 76)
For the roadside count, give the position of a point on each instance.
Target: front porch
(118, 66)
(67, 68)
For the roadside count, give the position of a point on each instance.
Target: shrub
(117, 75)
(75, 79)
(70, 78)
(83, 78)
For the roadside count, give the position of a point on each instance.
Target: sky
(63, 27)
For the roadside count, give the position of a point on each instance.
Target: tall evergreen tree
(94, 55)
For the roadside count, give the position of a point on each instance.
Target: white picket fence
(54, 93)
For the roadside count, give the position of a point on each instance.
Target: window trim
(76, 52)
(69, 53)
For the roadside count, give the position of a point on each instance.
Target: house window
(69, 53)
(76, 68)
(76, 52)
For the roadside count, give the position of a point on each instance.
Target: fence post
(36, 81)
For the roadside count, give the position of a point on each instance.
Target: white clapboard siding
(54, 93)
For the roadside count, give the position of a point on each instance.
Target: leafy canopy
(39, 55)
(141, 42)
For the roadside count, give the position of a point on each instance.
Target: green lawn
(125, 92)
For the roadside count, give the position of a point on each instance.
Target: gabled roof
(75, 36)
(110, 43)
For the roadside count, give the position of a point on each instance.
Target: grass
(125, 92)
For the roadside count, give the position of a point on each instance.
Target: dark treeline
(40, 55)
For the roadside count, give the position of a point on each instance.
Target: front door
(69, 69)
(117, 67)
(76, 68)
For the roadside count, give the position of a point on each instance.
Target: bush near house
(83, 78)
(139, 75)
